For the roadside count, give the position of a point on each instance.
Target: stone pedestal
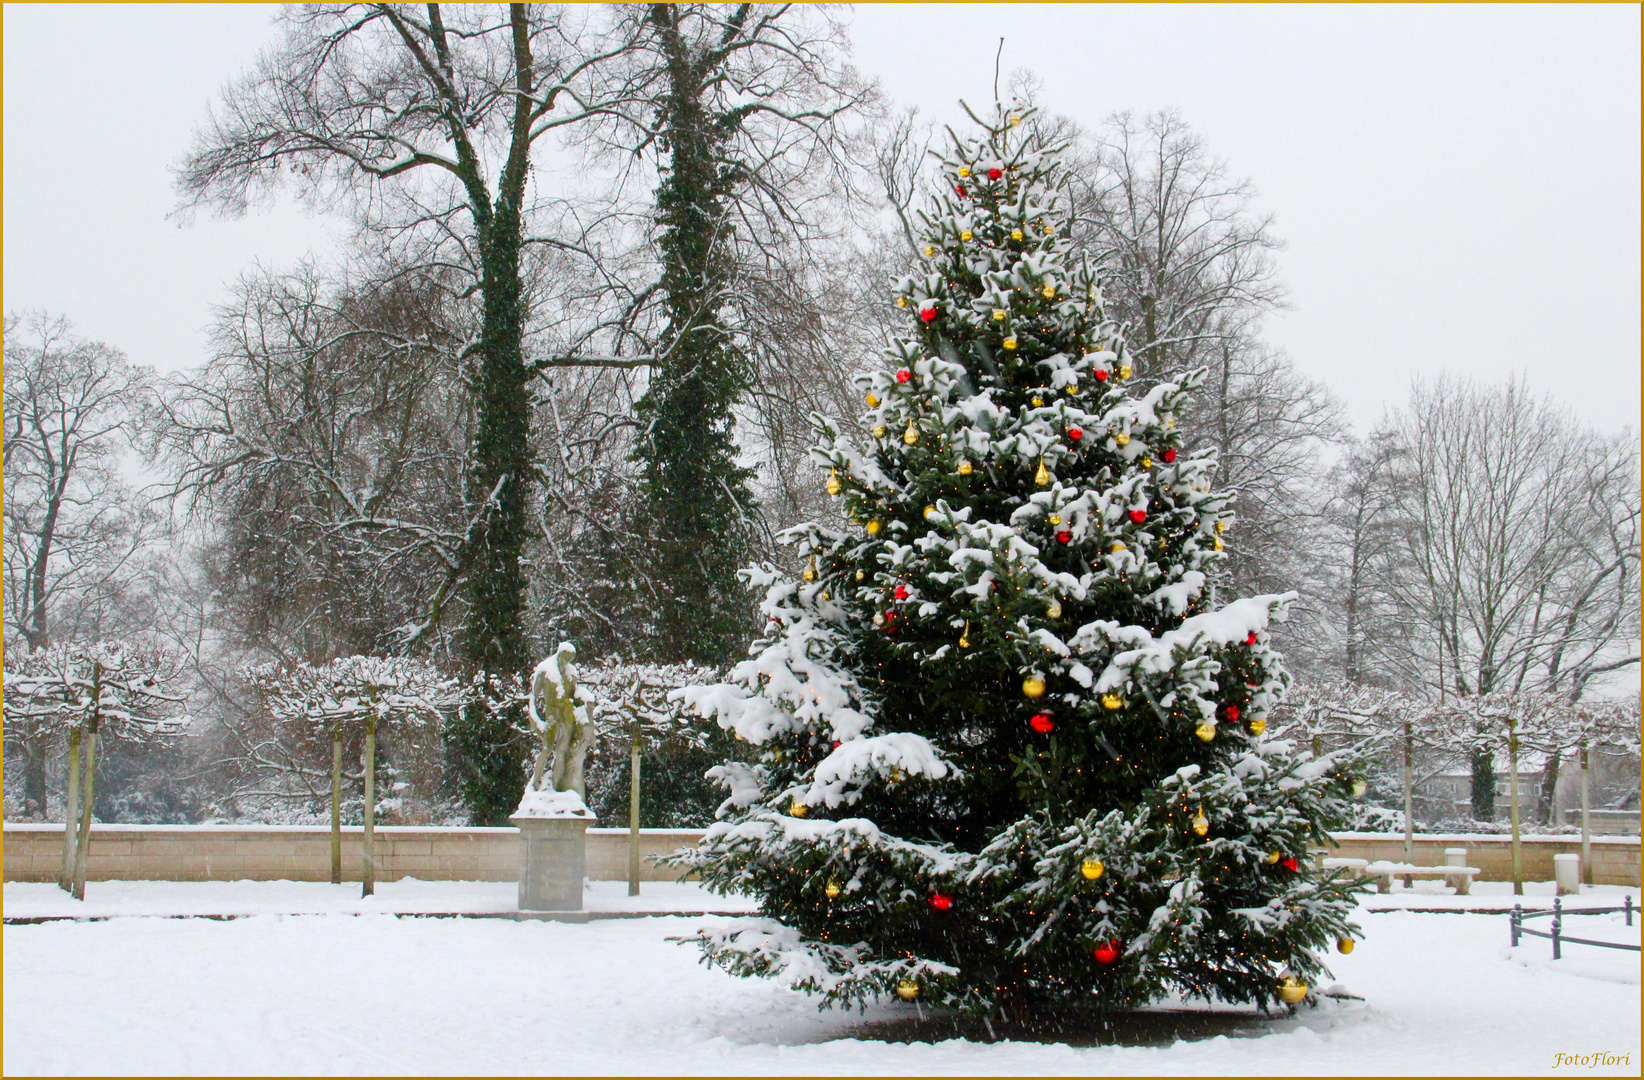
(553, 862)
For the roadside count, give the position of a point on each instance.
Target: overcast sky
(1459, 187)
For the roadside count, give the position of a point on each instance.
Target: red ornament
(1064, 537)
(901, 592)
(1101, 374)
(994, 174)
(1230, 711)
(904, 375)
(928, 314)
(1075, 433)
(837, 744)
(941, 901)
(1042, 723)
(960, 188)
(1138, 516)
(1290, 863)
(1250, 639)
(1107, 952)
(1169, 455)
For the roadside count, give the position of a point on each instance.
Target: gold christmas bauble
(1274, 856)
(911, 436)
(1054, 519)
(1122, 438)
(873, 526)
(1016, 234)
(930, 512)
(834, 486)
(1170, 423)
(1205, 731)
(879, 618)
(1009, 343)
(1292, 989)
(1344, 945)
(872, 400)
(1112, 702)
(902, 302)
(1071, 388)
(826, 596)
(1038, 402)
(1124, 371)
(1146, 463)
(998, 315)
(930, 250)
(879, 431)
(1033, 686)
(1042, 477)
(1201, 824)
(1048, 292)
(809, 573)
(1092, 869)
(1053, 608)
(1221, 526)
(1116, 548)
(1257, 726)
(964, 172)
(1014, 120)
(1359, 787)
(1218, 545)
(964, 636)
(965, 468)
(798, 809)
(860, 574)
(832, 890)
(966, 236)
(907, 989)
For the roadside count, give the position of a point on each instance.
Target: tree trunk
(336, 806)
(83, 841)
(71, 813)
(633, 811)
(1547, 801)
(1409, 799)
(35, 752)
(368, 865)
(1484, 785)
(1586, 823)
(1512, 790)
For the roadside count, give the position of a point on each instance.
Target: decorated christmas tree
(1011, 757)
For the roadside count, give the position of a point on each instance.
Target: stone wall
(303, 853)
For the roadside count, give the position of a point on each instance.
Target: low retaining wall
(303, 853)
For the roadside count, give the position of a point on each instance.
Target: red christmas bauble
(960, 188)
(1042, 723)
(901, 592)
(890, 619)
(837, 744)
(1290, 863)
(1064, 537)
(1138, 516)
(1169, 455)
(1250, 639)
(994, 174)
(1107, 952)
(1075, 433)
(928, 314)
(1230, 711)
(941, 901)
(903, 375)
(1101, 374)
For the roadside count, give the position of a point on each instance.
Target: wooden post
(633, 809)
(368, 865)
(71, 813)
(82, 847)
(1409, 800)
(1512, 795)
(1586, 823)
(336, 805)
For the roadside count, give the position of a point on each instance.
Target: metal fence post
(1558, 916)
(1627, 906)
(1512, 924)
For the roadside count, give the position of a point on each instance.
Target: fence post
(633, 808)
(1558, 916)
(1512, 924)
(1627, 906)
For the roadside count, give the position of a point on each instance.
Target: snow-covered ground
(339, 992)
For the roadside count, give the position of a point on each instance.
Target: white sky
(1459, 186)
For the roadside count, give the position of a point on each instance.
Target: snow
(537, 803)
(340, 993)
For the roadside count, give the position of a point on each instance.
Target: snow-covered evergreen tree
(1012, 757)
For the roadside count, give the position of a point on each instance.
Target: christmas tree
(1011, 759)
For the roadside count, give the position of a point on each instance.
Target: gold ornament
(1014, 120)
(1092, 869)
(1257, 726)
(1205, 731)
(965, 236)
(1053, 608)
(1359, 787)
(930, 512)
(1033, 686)
(1122, 438)
(1201, 824)
(1170, 423)
(1072, 388)
(1009, 343)
(798, 809)
(1042, 477)
(965, 468)
(1054, 519)
(1112, 702)
(873, 400)
(879, 431)
(873, 526)
(998, 315)
(1147, 463)
(964, 636)
(1221, 526)
(907, 989)
(1117, 547)
(930, 250)
(826, 596)
(1016, 234)
(1292, 989)
(1038, 402)
(879, 618)
(964, 172)
(1273, 857)
(902, 302)
(911, 436)
(834, 487)
(1344, 945)
(809, 573)
(1124, 371)
(859, 575)
(1048, 292)
(1219, 545)
(832, 890)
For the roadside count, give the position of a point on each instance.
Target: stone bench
(1461, 877)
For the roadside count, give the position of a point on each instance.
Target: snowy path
(338, 994)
